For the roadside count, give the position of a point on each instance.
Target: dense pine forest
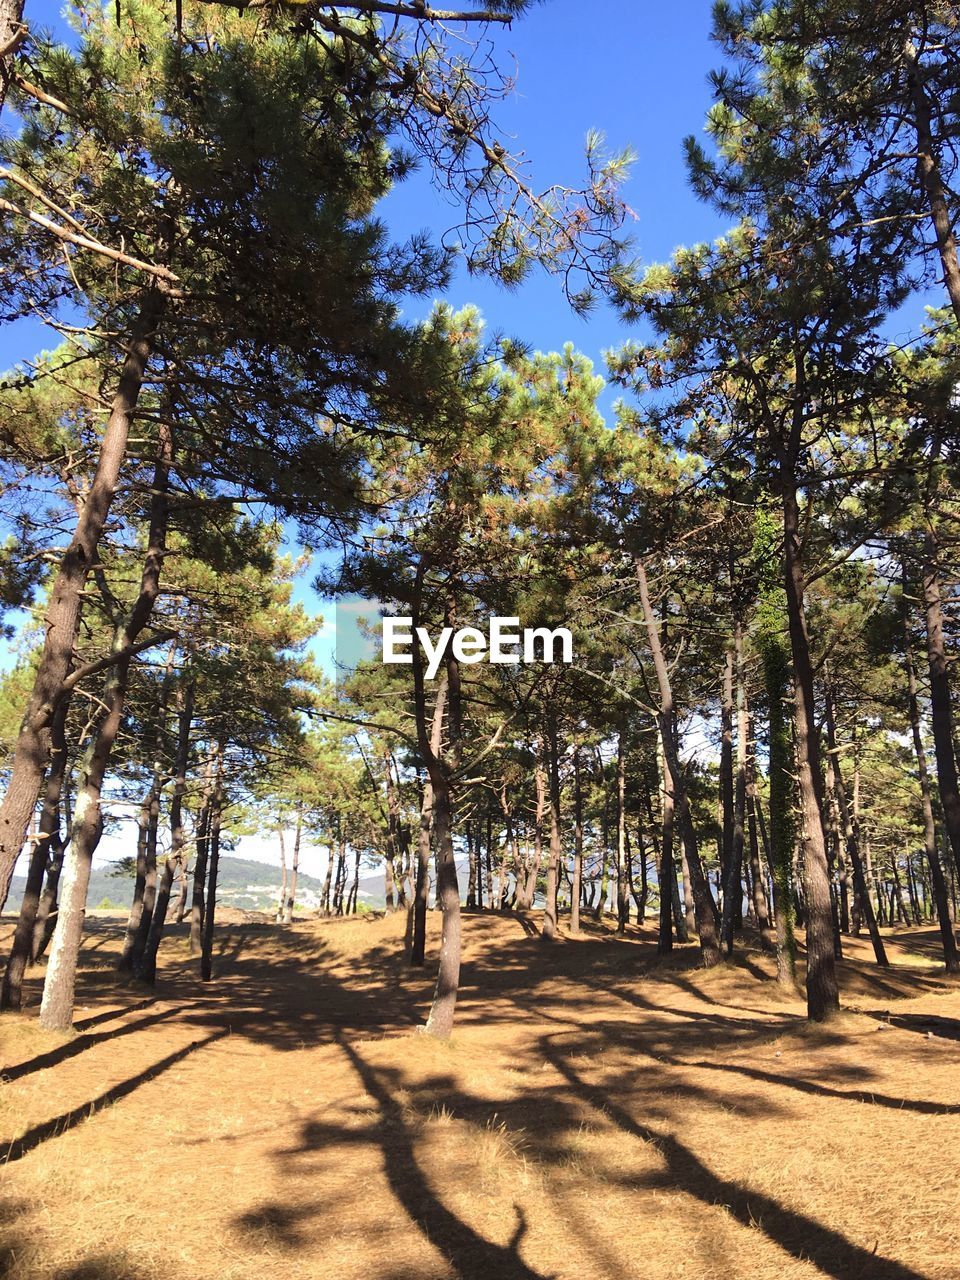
(706, 820)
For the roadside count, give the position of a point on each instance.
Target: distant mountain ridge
(242, 882)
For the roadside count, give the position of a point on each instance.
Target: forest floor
(598, 1113)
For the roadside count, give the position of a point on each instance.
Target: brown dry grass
(597, 1114)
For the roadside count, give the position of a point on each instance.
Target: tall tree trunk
(851, 832)
(439, 767)
(294, 867)
(48, 836)
(576, 885)
(422, 896)
(726, 786)
(56, 1007)
(282, 895)
(146, 967)
(62, 617)
(732, 892)
(703, 903)
(11, 32)
(941, 713)
(780, 844)
(549, 928)
(951, 958)
(623, 876)
(213, 870)
(139, 943)
(929, 166)
(823, 994)
(198, 900)
(669, 893)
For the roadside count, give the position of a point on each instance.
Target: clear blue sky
(635, 71)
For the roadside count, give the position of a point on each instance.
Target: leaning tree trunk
(703, 903)
(823, 994)
(928, 164)
(12, 32)
(52, 682)
(56, 1006)
(11, 994)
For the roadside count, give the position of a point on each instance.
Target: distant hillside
(242, 883)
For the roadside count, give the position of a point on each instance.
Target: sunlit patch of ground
(599, 1113)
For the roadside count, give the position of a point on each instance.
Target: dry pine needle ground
(597, 1114)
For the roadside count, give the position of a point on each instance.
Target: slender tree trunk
(198, 901)
(48, 836)
(623, 876)
(940, 708)
(422, 897)
(213, 870)
(732, 892)
(669, 893)
(150, 879)
(146, 967)
(576, 885)
(282, 895)
(47, 911)
(851, 833)
(948, 939)
(294, 868)
(549, 929)
(62, 617)
(929, 167)
(823, 994)
(705, 913)
(726, 789)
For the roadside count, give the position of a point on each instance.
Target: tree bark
(623, 877)
(33, 745)
(146, 967)
(732, 891)
(851, 833)
(938, 884)
(933, 184)
(48, 838)
(823, 994)
(703, 903)
(422, 895)
(576, 885)
(11, 19)
(294, 867)
(549, 929)
(941, 713)
(213, 869)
